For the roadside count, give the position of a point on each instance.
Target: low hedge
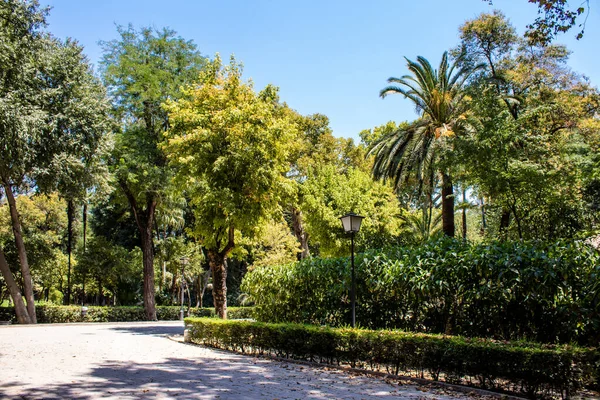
(518, 367)
(62, 314)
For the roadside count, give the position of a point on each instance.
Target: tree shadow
(151, 330)
(236, 377)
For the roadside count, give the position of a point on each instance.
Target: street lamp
(184, 261)
(351, 223)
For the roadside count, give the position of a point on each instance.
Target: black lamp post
(184, 261)
(351, 223)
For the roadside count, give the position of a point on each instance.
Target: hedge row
(543, 292)
(519, 367)
(61, 314)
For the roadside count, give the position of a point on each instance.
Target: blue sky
(330, 57)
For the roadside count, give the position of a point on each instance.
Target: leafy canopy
(229, 145)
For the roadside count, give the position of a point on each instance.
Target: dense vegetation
(54, 314)
(521, 367)
(169, 175)
(502, 290)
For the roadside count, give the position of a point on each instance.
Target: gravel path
(138, 361)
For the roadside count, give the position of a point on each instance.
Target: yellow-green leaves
(229, 145)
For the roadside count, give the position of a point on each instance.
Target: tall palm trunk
(447, 206)
(25, 271)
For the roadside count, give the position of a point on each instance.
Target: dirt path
(138, 361)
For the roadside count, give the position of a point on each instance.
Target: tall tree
(143, 69)
(419, 149)
(51, 109)
(530, 107)
(230, 146)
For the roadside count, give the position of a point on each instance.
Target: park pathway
(138, 361)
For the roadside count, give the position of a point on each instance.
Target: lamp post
(184, 261)
(351, 223)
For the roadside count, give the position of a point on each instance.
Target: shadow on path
(237, 378)
(154, 330)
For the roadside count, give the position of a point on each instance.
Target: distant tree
(230, 147)
(329, 193)
(52, 109)
(142, 69)
(535, 117)
(43, 222)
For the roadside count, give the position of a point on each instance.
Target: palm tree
(417, 149)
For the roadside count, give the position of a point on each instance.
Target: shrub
(503, 290)
(62, 314)
(521, 367)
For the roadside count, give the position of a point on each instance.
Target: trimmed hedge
(542, 292)
(62, 314)
(519, 367)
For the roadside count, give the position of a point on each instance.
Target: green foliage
(142, 69)
(525, 368)
(64, 314)
(555, 17)
(229, 145)
(53, 111)
(503, 290)
(44, 222)
(274, 245)
(110, 271)
(328, 193)
(532, 144)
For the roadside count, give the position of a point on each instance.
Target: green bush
(63, 314)
(503, 290)
(520, 367)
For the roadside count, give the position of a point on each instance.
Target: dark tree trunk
(483, 219)
(70, 216)
(202, 284)
(25, 271)
(447, 206)
(464, 215)
(84, 219)
(144, 219)
(15, 292)
(504, 222)
(219, 275)
(300, 233)
(148, 263)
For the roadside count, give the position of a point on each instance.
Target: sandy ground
(138, 361)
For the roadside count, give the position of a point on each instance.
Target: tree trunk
(15, 292)
(447, 206)
(163, 278)
(204, 280)
(84, 219)
(148, 262)
(219, 274)
(70, 212)
(464, 215)
(300, 233)
(504, 222)
(25, 271)
(145, 221)
(483, 219)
